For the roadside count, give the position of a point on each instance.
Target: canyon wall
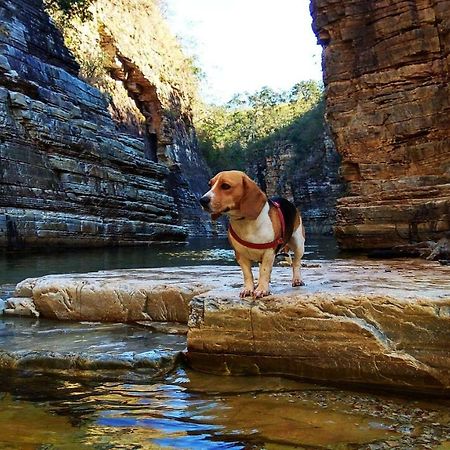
(78, 167)
(386, 74)
(152, 91)
(301, 164)
(311, 182)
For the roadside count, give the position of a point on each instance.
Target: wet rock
(431, 250)
(164, 327)
(384, 323)
(117, 351)
(20, 306)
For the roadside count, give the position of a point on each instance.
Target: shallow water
(15, 267)
(191, 410)
(116, 386)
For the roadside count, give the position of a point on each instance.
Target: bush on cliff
(70, 8)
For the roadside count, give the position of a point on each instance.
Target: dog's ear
(213, 180)
(253, 199)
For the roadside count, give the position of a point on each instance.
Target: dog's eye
(225, 186)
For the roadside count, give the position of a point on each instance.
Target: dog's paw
(260, 293)
(246, 293)
(296, 283)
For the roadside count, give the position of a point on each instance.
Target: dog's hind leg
(297, 245)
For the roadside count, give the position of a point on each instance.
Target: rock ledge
(382, 323)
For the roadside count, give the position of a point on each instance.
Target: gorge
(107, 154)
(134, 347)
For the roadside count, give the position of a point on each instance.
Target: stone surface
(19, 307)
(386, 73)
(165, 327)
(379, 323)
(70, 172)
(383, 323)
(79, 350)
(115, 296)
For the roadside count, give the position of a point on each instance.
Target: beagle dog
(258, 229)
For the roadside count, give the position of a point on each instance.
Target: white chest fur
(258, 231)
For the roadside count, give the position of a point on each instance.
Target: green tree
(233, 134)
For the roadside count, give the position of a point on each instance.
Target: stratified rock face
(312, 183)
(144, 62)
(70, 174)
(386, 72)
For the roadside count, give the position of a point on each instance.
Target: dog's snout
(204, 201)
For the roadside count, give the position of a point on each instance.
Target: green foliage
(234, 135)
(70, 8)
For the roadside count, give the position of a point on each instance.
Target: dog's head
(234, 193)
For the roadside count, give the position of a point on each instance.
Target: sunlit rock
(355, 322)
(20, 306)
(116, 296)
(387, 104)
(383, 323)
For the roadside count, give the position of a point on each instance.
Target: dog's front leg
(265, 270)
(246, 267)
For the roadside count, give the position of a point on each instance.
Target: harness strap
(273, 244)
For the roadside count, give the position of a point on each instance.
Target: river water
(119, 386)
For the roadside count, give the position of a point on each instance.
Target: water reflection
(181, 409)
(190, 410)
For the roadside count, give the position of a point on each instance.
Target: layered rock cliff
(78, 168)
(305, 174)
(386, 72)
(140, 66)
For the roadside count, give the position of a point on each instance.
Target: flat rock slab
(160, 295)
(113, 351)
(364, 322)
(384, 323)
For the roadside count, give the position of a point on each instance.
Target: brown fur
(236, 194)
(275, 219)
(243, 195)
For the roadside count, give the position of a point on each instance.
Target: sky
(243, 45)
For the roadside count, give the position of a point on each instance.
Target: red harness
(273, 244)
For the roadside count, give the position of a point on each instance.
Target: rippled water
(190, 410)
(115, 386)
